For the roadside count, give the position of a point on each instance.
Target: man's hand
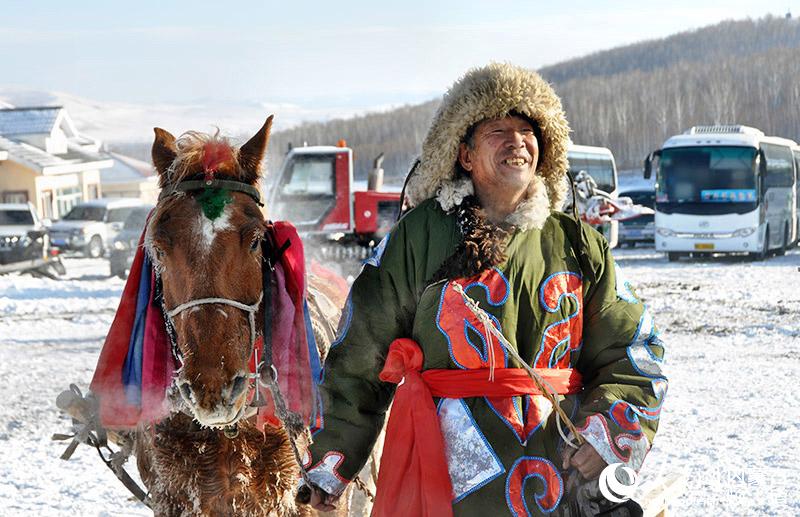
(585, 459)
(319, 499)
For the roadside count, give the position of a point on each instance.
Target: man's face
(502, 161)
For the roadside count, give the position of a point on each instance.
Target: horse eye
(255, 244)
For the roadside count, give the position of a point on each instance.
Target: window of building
(15, 196)
(66, 198)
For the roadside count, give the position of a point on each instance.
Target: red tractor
(339, 221)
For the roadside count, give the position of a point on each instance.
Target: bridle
(271, 253)
(265, 372)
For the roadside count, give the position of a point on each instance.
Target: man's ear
(465, 157)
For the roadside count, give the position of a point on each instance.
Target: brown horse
(207, 249)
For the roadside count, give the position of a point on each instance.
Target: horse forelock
(201, 153)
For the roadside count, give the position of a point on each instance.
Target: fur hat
(485, 93)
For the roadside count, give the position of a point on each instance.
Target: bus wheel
(673, 256)
(762, 255)
(784, 242)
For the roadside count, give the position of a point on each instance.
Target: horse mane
(202, 153)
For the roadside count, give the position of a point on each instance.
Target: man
(486, 228)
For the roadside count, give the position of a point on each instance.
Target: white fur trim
(533, 211)
(452, 192)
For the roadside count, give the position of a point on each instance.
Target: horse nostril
(239, 385)
(186, 393)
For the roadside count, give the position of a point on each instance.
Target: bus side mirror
(648, 164)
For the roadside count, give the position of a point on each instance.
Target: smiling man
(486, 245)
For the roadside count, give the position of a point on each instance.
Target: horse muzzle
(216, 409)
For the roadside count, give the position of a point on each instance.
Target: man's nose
(515, 139)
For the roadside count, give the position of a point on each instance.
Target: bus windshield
(599, 166)
(707, 175)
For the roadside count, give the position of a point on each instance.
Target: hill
(725, 39)
(629, 99)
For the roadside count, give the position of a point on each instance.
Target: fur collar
(530, 214)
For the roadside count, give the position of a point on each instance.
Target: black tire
(784, 243)
(762, 255)
(673, 256)
(95, 247)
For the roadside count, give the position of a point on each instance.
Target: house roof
(126, 170)
(26, 121)
(76, 159)
(21, 127)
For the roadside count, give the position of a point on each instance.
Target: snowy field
(730, 423)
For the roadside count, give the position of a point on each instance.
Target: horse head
(205, 241)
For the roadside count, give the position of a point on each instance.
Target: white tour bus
(796, 239)
(599, 163)
(724, 189)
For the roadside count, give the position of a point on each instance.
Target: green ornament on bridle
(213, 201)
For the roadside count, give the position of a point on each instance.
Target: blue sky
(316, 53)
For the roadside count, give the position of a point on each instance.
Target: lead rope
(295, 428)
(543, 386)
(267, 375)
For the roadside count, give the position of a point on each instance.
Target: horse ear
(163, 150)
(252, 153)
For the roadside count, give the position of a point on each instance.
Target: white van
(89, 227)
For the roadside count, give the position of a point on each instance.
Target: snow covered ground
(730, 423)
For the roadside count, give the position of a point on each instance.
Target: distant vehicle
(89, 226)
(599, 163)
(796, 153)
(642, 228)
(24, 244)
(315, 190)
(724, 189)
(123, 248)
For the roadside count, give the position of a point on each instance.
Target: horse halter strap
(251, 310)
(189, 185)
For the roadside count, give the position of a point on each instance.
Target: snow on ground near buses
(730, 422)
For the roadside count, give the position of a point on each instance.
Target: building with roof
(129, 177)
(44, 160)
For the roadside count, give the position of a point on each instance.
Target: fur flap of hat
(485, 93)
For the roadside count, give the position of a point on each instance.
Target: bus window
(707, 174)
(780, 171)
(599, 166)
(577, 162)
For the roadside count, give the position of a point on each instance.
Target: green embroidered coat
(558, 310)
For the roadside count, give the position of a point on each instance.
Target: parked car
(123, 248)
(640, 229)
(90, 226)
(24, 244)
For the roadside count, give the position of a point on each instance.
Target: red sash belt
(413, 478)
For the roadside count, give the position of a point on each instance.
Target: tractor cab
(316, 192)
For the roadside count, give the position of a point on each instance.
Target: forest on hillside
(629, 99)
